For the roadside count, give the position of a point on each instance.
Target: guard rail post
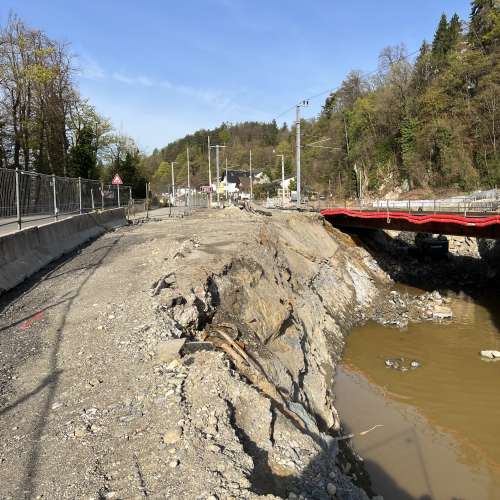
(55, 195)
(18, 200)
(102, 195)
(80, 194)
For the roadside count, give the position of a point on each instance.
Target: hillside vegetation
(429, 120)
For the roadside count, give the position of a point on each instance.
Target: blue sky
(161, 69)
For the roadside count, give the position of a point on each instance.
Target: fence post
(18, 200)
(55, 195)
(80, 193)
(102, 195)
(92, 198)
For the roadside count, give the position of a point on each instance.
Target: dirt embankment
(187, 359)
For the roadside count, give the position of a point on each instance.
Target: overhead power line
(335, 89)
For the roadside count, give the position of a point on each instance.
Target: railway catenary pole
(303, 103)
(209, 177)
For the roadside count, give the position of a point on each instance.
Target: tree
(484, 27)
(83, 158)
(441, 42)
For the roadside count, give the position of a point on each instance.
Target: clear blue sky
(161, 68)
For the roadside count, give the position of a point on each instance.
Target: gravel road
(93, 404)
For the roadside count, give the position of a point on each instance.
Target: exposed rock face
(292, 298)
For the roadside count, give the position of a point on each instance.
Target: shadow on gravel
(51, 381)
(313, 482)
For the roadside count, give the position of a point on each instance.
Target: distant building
(261, 178)
(237, 183)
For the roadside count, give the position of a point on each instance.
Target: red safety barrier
(416, 219)
(437, 223)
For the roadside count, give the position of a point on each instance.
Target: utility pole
(209, 177)
(188, 180)
(282, 179)
(251, 178)
(217, 148)
(218, 174)
(297, 146)
(226, 186)
(173, 182)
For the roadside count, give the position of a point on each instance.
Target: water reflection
(440, 421)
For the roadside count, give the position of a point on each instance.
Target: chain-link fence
(28, 197)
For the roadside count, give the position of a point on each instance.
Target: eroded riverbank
(440, 420)
(188, 359)
(191, 359)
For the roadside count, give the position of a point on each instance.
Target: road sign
(117, 180)
(206, 189)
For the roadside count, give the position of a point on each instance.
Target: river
(440, 437)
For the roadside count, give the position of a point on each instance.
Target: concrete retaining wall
(25, 252)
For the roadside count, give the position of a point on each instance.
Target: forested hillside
(45, 125)
(429, 120)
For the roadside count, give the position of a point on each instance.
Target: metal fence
(27, 197)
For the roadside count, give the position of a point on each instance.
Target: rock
(292, 496)
(442, 312)
(301, 412)
(80, 431)
(168, 351)
(414, 364)
(172, 436)
(173, 464)
(165, 282)
(490, 354)
(331, 489)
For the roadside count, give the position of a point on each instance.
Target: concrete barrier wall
(25, 252)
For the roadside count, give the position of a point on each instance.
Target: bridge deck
(478, 225)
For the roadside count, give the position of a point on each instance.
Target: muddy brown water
(441, 422)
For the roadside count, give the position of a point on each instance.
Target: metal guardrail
(458, 205)
(481, 203)
(27, 197)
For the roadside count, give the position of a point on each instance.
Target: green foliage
(83, 156)
(429, 124)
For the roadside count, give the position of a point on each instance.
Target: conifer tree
(440, 43)
(454, 33)
(484, 27)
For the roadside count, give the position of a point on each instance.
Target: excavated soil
(186, 359)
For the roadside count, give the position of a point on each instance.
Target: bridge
(474, 223)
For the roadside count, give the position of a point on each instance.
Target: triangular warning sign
(117, 180)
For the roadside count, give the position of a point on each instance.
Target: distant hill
(429, 122)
